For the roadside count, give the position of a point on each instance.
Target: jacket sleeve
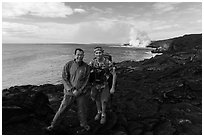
(66, 76)
(109, 64)
(91, 64)
(86, 79)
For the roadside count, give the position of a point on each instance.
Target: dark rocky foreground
(158, 96)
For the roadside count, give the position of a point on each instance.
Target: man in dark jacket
(75, 77)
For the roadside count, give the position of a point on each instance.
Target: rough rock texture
(158, 96)
(188, 43)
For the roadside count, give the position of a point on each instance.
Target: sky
(98, 22)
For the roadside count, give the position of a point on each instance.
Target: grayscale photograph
(102, 68)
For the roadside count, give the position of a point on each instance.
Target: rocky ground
(158, 96)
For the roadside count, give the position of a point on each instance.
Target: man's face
(79, 56)
(98, 54)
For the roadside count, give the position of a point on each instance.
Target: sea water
(38, 64)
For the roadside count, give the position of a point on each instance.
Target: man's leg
(95, 95)
(82, 111)
(98, 106)
(65, 105)
(104, 99)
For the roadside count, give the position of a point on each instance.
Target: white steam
(138, 38)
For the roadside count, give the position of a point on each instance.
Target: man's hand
(75, 93)
(68, 92)
(112, 90)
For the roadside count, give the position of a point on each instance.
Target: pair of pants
(101, 97)
(102, 94)
(66, 103)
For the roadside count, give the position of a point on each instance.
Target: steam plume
(138, 38)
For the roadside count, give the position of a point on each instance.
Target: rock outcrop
(185, 43)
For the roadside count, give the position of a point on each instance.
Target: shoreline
(57, 82)
(47, 68)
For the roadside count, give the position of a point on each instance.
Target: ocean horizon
(42, 63)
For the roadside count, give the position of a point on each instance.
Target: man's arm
(112, 90)
(113, 72)
(91, 65)
(66, 77)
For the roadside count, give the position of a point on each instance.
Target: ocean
(38, 64)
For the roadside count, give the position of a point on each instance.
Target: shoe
(49, 128)
(98, 115)
(86, 127)
(103, 119)
(84, 130)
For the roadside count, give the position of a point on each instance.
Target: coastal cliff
(187, 43)
(157, 96)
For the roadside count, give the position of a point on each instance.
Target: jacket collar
(79, 63)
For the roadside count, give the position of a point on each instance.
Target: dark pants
(65, 106)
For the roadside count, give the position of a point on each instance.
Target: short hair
(79, 49)
(98, 48)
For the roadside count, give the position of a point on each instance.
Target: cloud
(17, 29)
(102, 30)
(199, 21)
(97, 11)
(140, 24)
(162, 7)
(99, 29)
(83, 32)
(106, 24)
(165, 27)
(41, 9)
(44, 32)
(79, 10)
(57, 31)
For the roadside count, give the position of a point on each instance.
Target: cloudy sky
(101, 22)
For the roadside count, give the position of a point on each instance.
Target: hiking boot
(98, 115)
(103, 119)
